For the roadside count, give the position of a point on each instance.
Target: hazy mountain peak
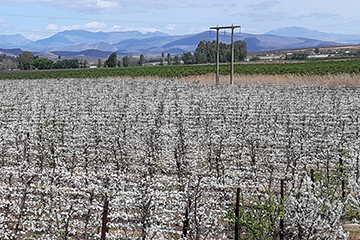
(295, 32)
(314, 34)
(16, 40)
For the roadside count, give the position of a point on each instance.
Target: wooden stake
(104, 219)
(186, 220)
(237, 214)
(282, 204)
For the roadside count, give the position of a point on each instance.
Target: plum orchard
(167, 156)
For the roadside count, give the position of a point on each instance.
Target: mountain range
(94, 45)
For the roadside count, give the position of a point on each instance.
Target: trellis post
(282, 204)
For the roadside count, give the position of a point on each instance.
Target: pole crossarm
(232, 27)
(225, 27)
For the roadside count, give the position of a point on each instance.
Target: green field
(303, 68)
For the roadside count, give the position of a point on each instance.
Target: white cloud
(140, 29)
(91, 26)
(171, 27)
(207, 5)
(52, 27)
(321, 16)
(88, 6)
(104, 6)
(4, 24)
(263, 5)
(159, 4)
(96, 26)
(20, 2)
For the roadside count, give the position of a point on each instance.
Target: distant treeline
(28, 61)
(204, 53)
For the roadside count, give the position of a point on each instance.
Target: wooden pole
(232, 55)
(218, 52)
(237, 214)
(217, 56)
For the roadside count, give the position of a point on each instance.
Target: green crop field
(303, 68)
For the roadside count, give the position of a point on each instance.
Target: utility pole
(232, 27)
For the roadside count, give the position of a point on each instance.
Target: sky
(37, 19)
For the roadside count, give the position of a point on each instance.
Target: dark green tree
(187, 58)
(125, 61)
(111, 61)
(200, 57)
(71, 63)
(169, 59)
(162, 59)
(42, 63)
(83, 63)
(240, 50)
(176, 60)
(208, 49)
(141, 60)
(25, 60)
(297, 56)
(256, 58)
(59, 65)
(99, 64)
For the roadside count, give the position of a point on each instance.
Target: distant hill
(306, 33)
(189, 43)
(69, 38)
(12, 52)
(94, 45)
(14, 41)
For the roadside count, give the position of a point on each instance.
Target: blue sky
(37, 19)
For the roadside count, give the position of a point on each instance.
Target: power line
(97, 19)
(65, 18)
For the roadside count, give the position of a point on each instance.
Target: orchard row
(167, 157)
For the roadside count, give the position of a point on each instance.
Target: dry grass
(330, 80)
(354, 230)
(326, 80)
